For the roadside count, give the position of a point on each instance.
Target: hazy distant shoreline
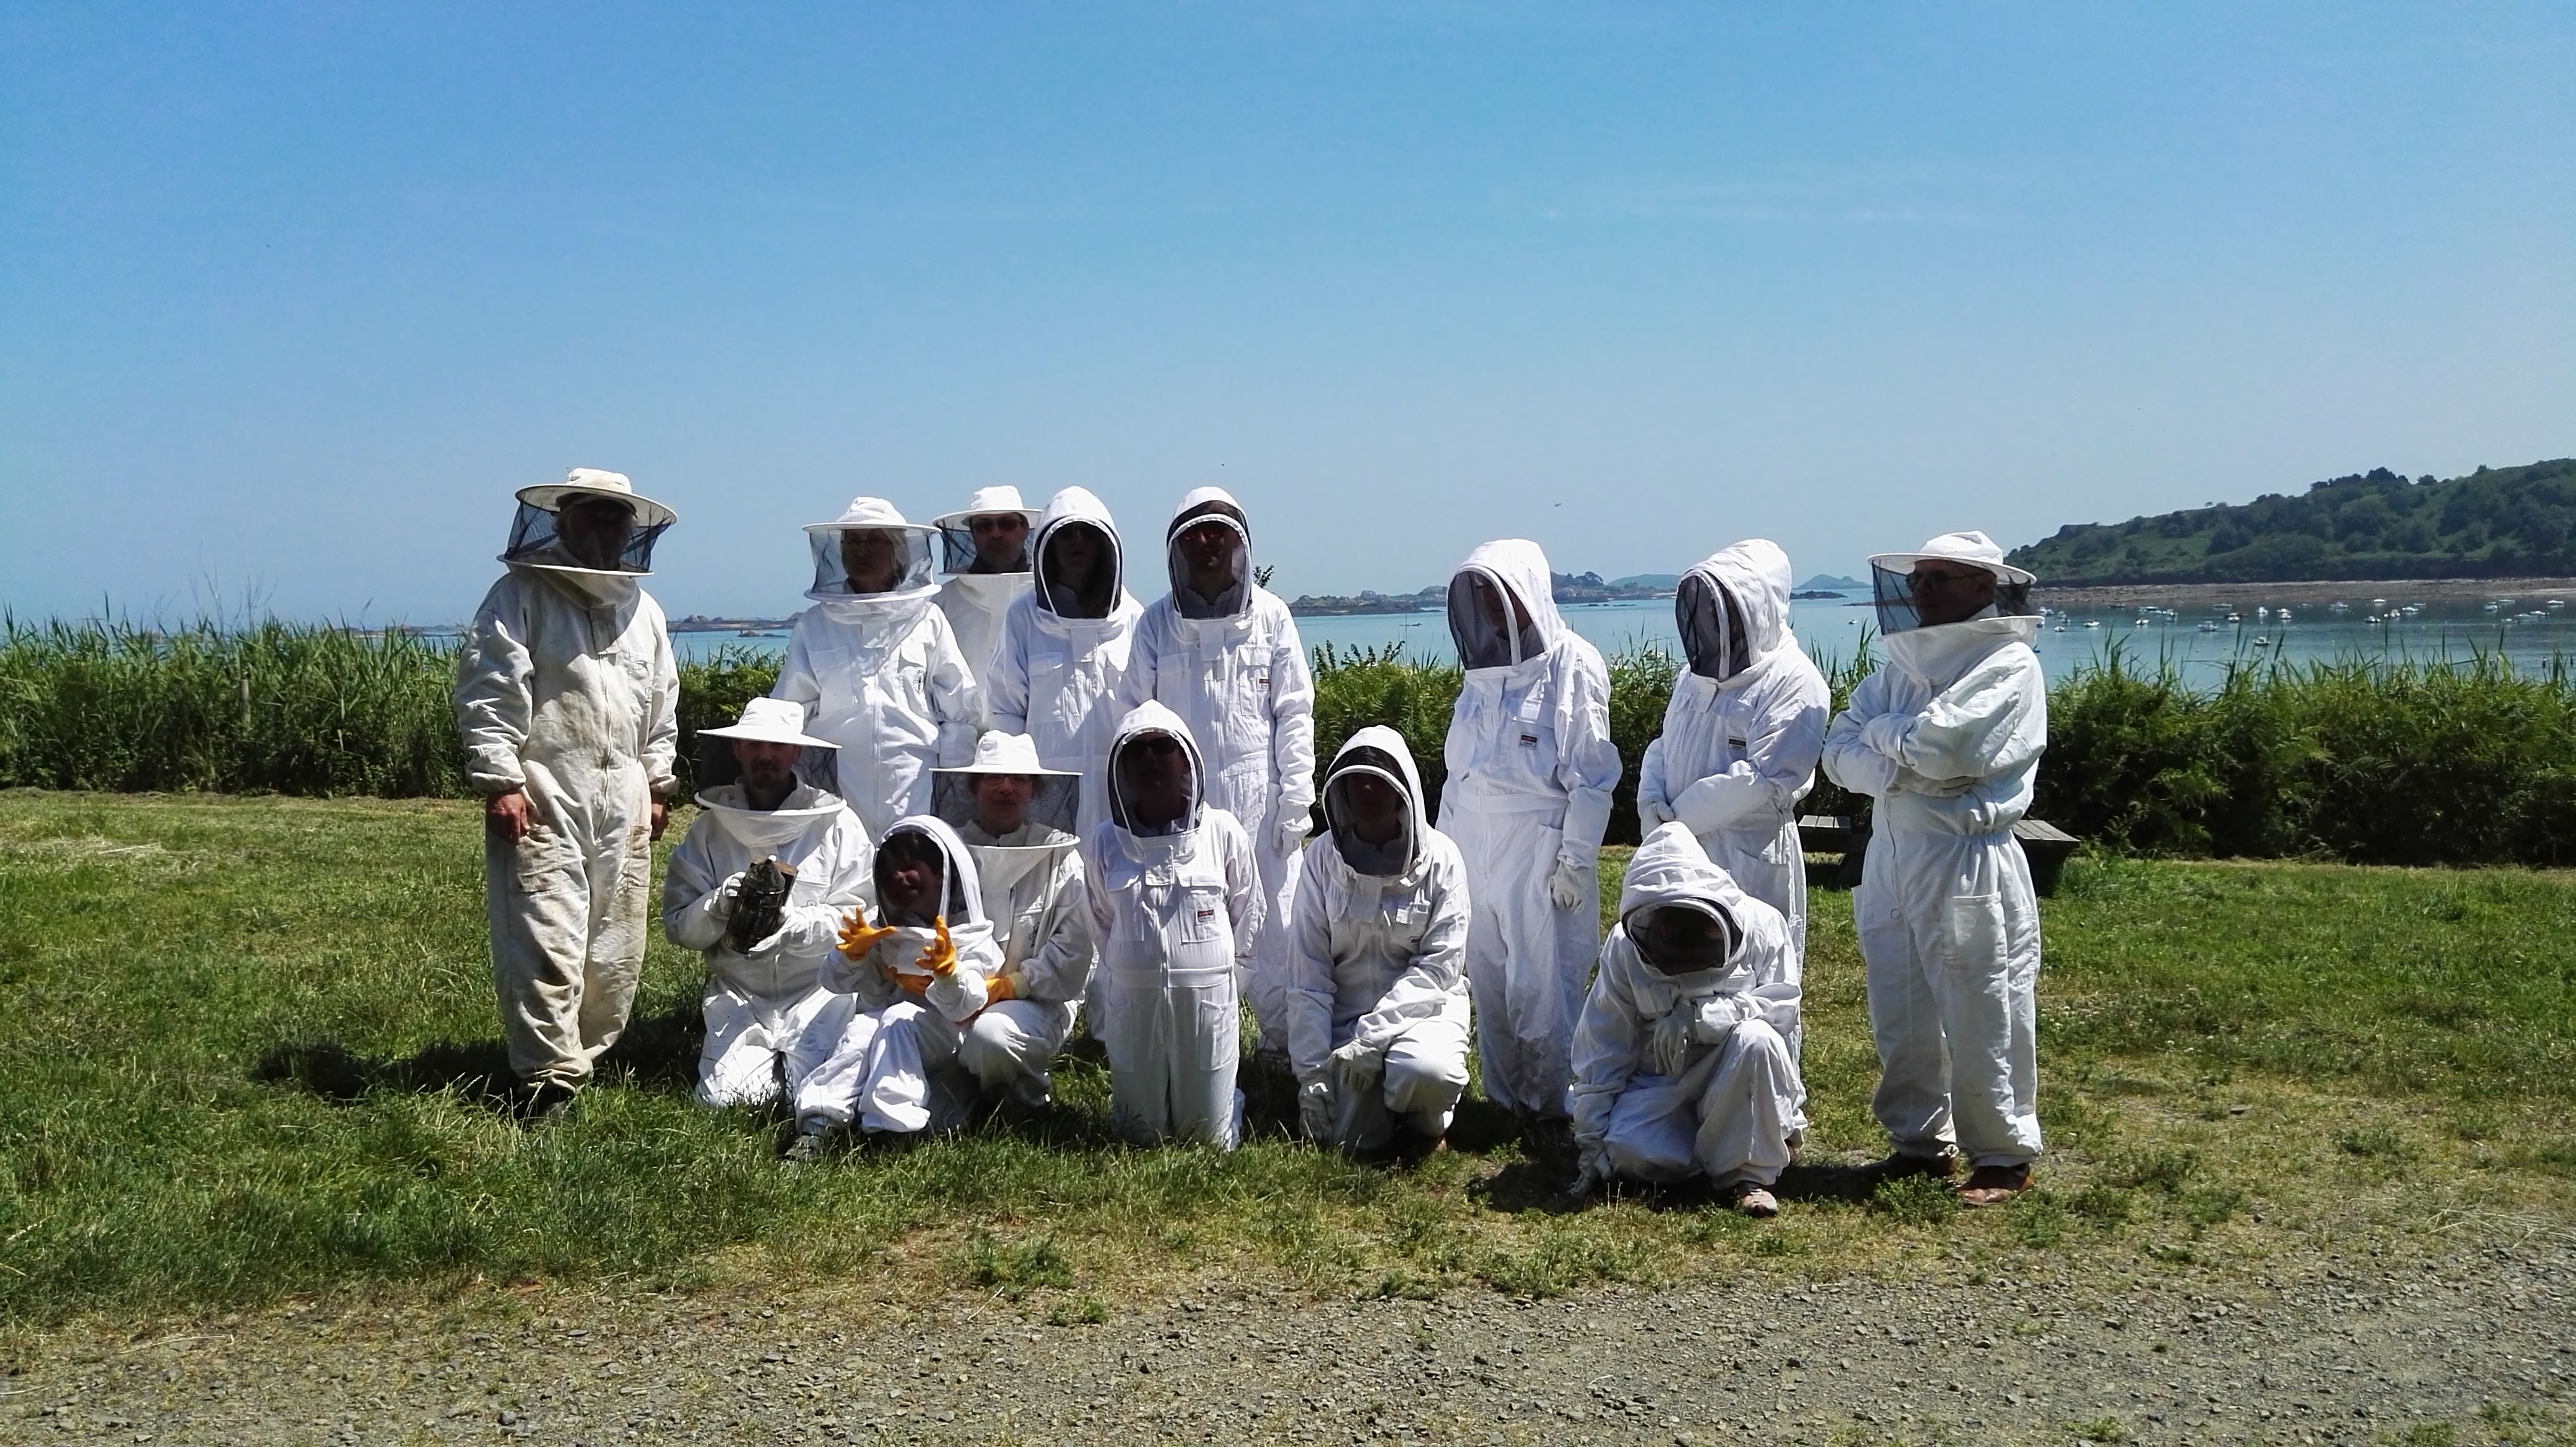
(2396, 590)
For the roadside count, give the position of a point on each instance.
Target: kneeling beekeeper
(917, 978)
(1017, 818)
(1686, 1060)
(761, 885)
(567, 695)
(1377, 958)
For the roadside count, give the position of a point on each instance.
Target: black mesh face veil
(864, 561)
(1228, 599)
(1055, 800)
(1487, 623)
(958, 553)
(1091, 595)
(1354, 765)
(916, 844)
(1683, 937)
(1712, 629)
(589, 531)
(1899, 610)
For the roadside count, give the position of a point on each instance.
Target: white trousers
(1425, 1073)
(1175, 1039)
(1011, 1047)
(885, 1074)
(568, 915)
(1527, 960)
(1949, 929)
(1729, 1115)
(756, 1044)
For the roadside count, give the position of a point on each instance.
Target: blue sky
(292, 297)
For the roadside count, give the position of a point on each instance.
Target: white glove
(1356, 1066)
(1720, 799)
(1566, 887)
(1653, 814)
(1669, 1046)
(1717, 1016)
(719, 903)
(1591, 1168)
(1885, 734)
(764, 948)
(1294, 825)
(1315, 1110)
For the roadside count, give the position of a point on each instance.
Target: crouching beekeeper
(567, 696)
(1377, 958)
(761, 885)
(916, 976)
(1686, 1058)
(1017, 818)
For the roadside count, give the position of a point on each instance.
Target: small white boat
(2089, 622)
(2262, 642)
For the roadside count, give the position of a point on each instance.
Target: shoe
(1994, 1185)
(1757, 1202)
(545, 1103)
(1548, 1138)
(1908, 1163)
(808, 1147)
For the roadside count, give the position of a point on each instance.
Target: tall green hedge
(2464, 762)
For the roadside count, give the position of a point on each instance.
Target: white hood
(1150, 717)
(1210, 504)
(1520, 568)
(1755, 573)
(1071, 506)
(964, 885)
(1671, 868)
(1407, 779)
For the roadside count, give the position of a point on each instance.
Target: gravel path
(2318, 1351)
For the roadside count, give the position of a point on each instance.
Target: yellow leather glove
(1000, 988)
(858, 936)
(941, 958)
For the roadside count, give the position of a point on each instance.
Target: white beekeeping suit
(913, 997)
(1232, 667)
(1173, 908)
(1744, 730)
(770, 1020)
(1687, 1059)
(875, 666)
(983, 581)
(1531, 767)
(1065, 647)
(1377, 959)
(1946, 741)
(1033, 892)
(567, 695)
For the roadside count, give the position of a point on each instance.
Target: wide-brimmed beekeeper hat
(1001, 753)
(596, 483)
(770, 721)
(1973, 549)
(989, 500)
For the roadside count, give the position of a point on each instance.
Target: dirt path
(2109, 1350)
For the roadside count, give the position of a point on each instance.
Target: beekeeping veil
(1892, 584)
(1046, 830)
(869, 551)
(592, 522)
(1502, 610)
(1215, 508)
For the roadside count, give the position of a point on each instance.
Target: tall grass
(2406, 762)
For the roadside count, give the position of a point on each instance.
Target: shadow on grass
(657, 1052)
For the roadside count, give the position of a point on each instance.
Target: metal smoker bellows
(759, 903)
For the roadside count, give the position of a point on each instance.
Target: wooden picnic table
(2044, 844)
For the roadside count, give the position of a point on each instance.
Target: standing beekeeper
(1531, 767)
(770, 1020)
(1017, 818)
(1946, 739)
(567, 695)
(1377, 958)
(1744, 730)
(875, 666)
(985, 550)
(917, 975)
(1174, 893)
(1221, 651)
(1065, 646)
(1687, 1059)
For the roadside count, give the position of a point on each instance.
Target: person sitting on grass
(1174, 893)
(918, 977)
(770, 1020)
(1017, 818)
(1377, 959)
(1686, 1058)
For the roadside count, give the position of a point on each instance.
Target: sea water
(2523, 631)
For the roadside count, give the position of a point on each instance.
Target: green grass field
(245, 1044)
